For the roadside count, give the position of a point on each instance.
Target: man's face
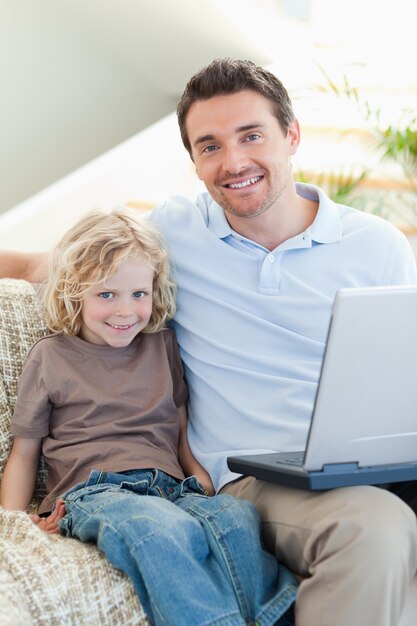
(240, 151)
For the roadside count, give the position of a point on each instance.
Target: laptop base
(270, 467)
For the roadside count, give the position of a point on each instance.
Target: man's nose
(234, 160)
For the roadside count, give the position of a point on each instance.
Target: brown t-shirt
(97, 407)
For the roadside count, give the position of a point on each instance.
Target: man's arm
(30, 266)
(188, 462)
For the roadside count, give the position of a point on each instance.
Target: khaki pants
(356, 549)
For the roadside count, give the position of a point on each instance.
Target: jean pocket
(140, 487)
(191, 486)
(104, 490)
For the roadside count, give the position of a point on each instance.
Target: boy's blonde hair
(90, 252)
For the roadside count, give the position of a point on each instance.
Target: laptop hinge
(340, 468)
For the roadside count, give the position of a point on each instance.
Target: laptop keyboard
(296, 458)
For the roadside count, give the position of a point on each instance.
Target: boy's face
(240, 151)
(116, 310)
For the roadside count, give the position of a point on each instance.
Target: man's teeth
(245, 183)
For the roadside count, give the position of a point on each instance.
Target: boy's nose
(124, 309)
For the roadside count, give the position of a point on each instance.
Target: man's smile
(244, 183)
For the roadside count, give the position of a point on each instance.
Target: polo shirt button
(271, 258)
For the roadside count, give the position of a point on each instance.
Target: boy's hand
(50, 524)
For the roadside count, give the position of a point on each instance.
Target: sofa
(49, 579)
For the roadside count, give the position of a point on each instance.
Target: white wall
(132, 173)
(64, 99)
(80, 76)
(142, 171)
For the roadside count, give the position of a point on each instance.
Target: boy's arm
(30, 266)
(20, 474)
(188, 462)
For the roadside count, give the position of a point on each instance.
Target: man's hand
(50, 524)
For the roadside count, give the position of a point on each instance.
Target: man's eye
(106, 295)
(138, 294)
(209, 148)
(252, 137)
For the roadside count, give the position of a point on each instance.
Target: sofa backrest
(21, 325)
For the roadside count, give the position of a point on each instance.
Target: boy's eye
(106, 295)
(138, 294)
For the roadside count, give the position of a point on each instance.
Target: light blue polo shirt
(252, 323)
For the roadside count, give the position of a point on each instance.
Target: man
(258, 261)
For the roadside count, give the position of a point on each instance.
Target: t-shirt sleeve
(33, 407)
(180, 390)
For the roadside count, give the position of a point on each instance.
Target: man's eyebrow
(251, 126)
(239, 129)
(203, 139)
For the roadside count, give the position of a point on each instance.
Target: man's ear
(294, 135)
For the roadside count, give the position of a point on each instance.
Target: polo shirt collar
(326, 227)
(217, 222)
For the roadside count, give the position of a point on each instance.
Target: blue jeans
(193, 560)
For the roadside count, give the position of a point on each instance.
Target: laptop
(364, 424)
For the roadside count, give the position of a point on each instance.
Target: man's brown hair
(229, 76)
